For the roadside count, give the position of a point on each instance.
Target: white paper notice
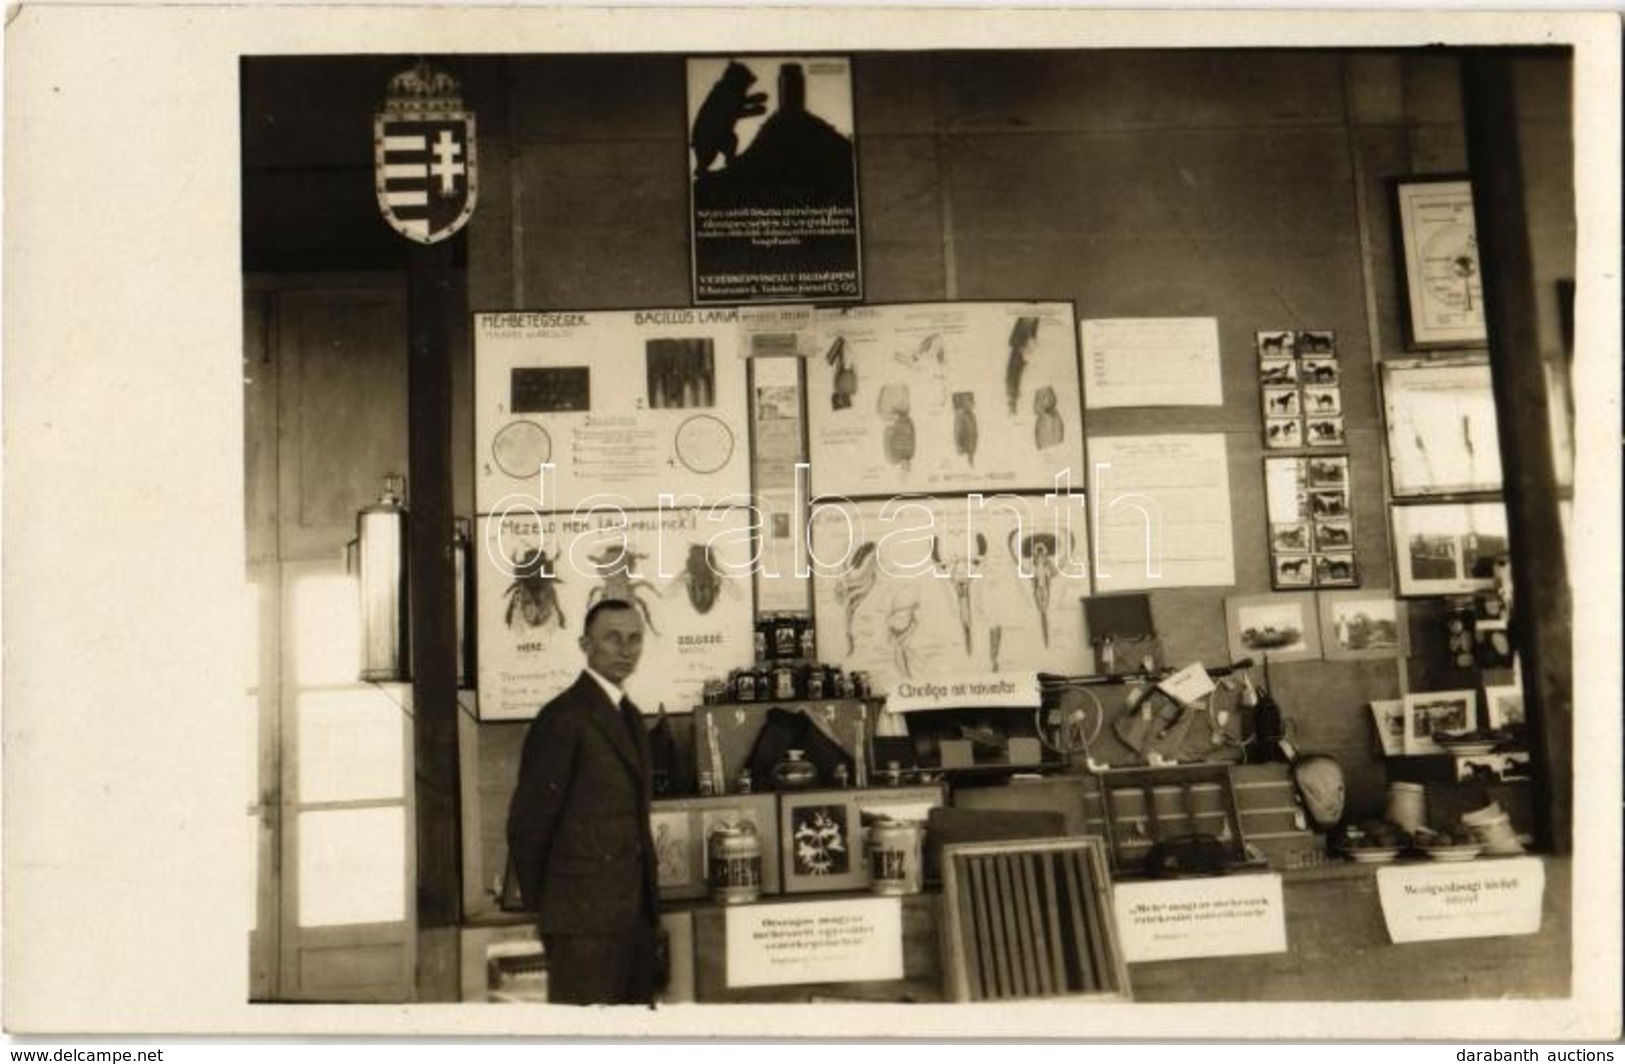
(856, 940)
(991, 691)
(1161, 512)
(1473, 899)
(1177, 918)
(1151, 362)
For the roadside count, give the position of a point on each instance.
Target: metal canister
(894, 857)
(381, 562)
(815, 681)
(784, 682)
(745, 688)
(735, 864)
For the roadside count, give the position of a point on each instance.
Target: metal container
(735, 864)
(381, 567)
(894, 857)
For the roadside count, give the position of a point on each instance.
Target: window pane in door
(352, 866)
(352, 744)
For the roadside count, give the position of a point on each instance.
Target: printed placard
(1178, 918)
(856, 940)
(1476, 899)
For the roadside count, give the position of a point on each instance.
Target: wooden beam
(434, 301)
(1543, 609)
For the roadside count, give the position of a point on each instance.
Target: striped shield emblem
(425, 172)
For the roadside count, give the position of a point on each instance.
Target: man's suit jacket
(578, 826)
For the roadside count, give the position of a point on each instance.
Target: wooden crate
(1145, 806)
(1030, 919)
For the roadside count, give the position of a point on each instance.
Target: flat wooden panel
(259, 428)
(1141, 90)
(372, 973)
(343, 411)
(585, 98)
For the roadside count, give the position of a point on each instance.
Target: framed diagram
(1438, 237)
(686, 571)
(944, 397)
(1442, 437)
(1448, 548)
(923, 588)
(624, 405)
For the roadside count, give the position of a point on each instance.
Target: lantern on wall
(381, 570)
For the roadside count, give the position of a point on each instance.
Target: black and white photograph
(581, 482)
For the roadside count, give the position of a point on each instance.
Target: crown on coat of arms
(422, 89)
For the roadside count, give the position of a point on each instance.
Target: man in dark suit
(578, 827)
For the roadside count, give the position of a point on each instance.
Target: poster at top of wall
(687, 573)
(945, 397)
(621, 406)
(773, 186)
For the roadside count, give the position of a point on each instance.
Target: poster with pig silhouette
(944, 397)
(687, 572)
(773, 180)
(915, 589)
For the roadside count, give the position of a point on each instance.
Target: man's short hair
(606, 606)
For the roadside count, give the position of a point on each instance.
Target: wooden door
(325, 404)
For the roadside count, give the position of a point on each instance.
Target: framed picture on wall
(1442, 437)
(1448, 548)
(1443, 287)
(1361, 624)
(1280, 627)
(1430, 712)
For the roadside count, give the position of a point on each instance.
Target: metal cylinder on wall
(463, 557)
(382, 574)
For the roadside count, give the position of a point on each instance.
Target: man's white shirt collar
(615, 693)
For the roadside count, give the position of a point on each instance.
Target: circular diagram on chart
(704, 443)
(1450, 267)
(521, 447)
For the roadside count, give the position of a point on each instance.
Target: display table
(1338, 949)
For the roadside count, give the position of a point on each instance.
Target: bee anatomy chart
(944, 397)
(628, 404)
(927, 589)
(687, 572)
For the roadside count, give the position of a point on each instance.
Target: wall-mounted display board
(1438, 236)
(945, 397)
(1442, 437)
(933, 589)
(773, 179)
(1448, 548)
(1311, 522)
(687, 572)
(630, 404)
(1300, 389)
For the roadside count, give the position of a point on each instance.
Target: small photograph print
(1432, 557)
(1389, 717)
(820, 840)
(550, 390)
(1479, 550)
(1492, 768)
(1334, 535)
(1335, 570)
(1283, 432)
(1312, 371)
(1273, 344)
(1277, 371)
(1294, 572)
(1428, 713)
(1281, 402)
(1325, 432)
(1284, 627)
(1503, 706)
(1361, 624)
(1324, 504)
(681, 373)
(1322, 401)
(1290, 539)
(1328, 472)
(1317, 342)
